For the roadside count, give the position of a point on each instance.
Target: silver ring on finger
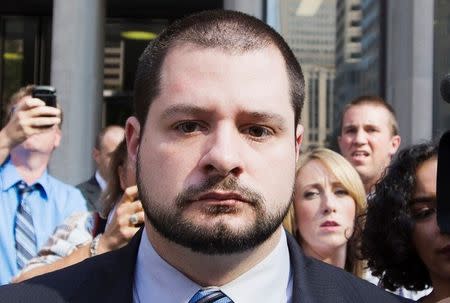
(133, 219)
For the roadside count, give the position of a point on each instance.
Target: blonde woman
(329, 199)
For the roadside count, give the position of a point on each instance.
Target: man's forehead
(367, 114)
(19, 100)
(112, 138)
(181, 75)
(181, 49)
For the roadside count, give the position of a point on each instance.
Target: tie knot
(210, 295)
(23, 188)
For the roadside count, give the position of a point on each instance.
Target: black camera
(46, 94)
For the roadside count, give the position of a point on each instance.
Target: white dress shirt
(157, 281)
(100, 180)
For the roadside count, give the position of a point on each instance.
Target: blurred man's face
(216, 160)
(102, 156)
(367, 141)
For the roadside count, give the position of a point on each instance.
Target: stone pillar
(409, 83)
(77, 74)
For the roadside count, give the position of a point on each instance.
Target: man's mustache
(219, 183)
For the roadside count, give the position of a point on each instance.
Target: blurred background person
(33, 202)
(26, 117)
(106, 142)
(401, 240)
(369, 137)
(84, 234)
(329, 197)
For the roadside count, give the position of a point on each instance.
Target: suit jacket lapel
(302, 289)
(112, 275)
(93, 182)
(92, 190)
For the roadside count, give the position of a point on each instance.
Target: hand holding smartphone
(46, 94)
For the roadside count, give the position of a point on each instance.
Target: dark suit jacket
(109, 278)
(91, 191)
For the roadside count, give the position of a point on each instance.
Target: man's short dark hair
(232, 32)
(376, 101)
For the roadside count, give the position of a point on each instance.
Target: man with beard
(216, 136)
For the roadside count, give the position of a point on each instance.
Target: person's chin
(360, 162)
(232, 221)
(362, 169)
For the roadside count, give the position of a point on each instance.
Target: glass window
(125, 41)
(25, 50)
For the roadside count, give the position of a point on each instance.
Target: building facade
(373, 48)
(409, 67)
(348, 53)
(309, 28)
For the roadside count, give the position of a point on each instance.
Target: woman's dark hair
(113, 191)
(387, 237)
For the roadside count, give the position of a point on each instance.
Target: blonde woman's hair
(351, 181)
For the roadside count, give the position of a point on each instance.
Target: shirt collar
(10, 176)
(101, 182)
(155, 278)
(273, 273)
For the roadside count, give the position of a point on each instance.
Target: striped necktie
(24, 228)
(210, 295)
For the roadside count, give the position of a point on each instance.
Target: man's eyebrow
(196, 110)
(183, 109)
(267, 117)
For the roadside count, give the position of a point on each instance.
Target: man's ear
(395, 144)
(132, 135)
(57, 139)
(298, 140)
(96, 155)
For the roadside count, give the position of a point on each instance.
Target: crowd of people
(207, 195)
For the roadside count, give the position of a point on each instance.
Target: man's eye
(188, 127)
(350, 131)
(258, 131)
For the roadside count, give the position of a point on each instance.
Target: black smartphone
(46, 94)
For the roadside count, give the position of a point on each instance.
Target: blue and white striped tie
(24, 229)
(210, 295)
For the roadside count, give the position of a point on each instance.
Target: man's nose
(360, 137)
(223, 152)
